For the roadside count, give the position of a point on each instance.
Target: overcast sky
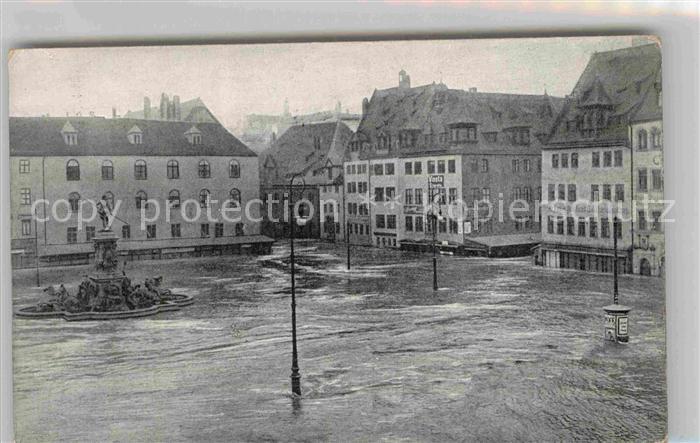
(235, 80)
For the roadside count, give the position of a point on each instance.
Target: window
(72, 170)
(409, 223)
(526, 165)
(173, 169)
(516, 165)
(484, 165)
(26, 227)
(642, 221)
(379, 169)
(527, 193)
(581, 227)
(642, 139)
(561, 195)
(353, 169)
(218, 230)
(25, 196)
(140, 170)
(550, 225)
(657, 181)
(441, 166)
(204, 198)
(234, 196)
(417, 168)
(607, 192)
(390, 193)
(490, 136)
(72, 235)
(642, 179)
(593, 228)
(555, 161)
(317, 142)
(618, 158)
(655, 138)
(136, 138)
(431, 166)
(595, 159)
(595, 193)
(204, 230)
(379, 194)
(391, 221)
(574, 160)
(141, 200)
(539, 165)
(620, 192)
(408, 168)
(24, 166)
(389, 169)
(380, 221)
(74, 201)
(347, 170)
(419, 223)
(474, 165)
(560, 226)
(442, 226)
(126, 232)
(485, 194)
(203, 169)
(175, 231)
(572, 192)
(565, 160)
(607, 159)
(196, 139)
(174, 198)
(150, 231)
(451, 166)
(418, 196)
(408, 197)
(89, 233)
(452, 195)
(551, 192)
(656, 224)
(569, 226)
(604, 228)
(107, 170)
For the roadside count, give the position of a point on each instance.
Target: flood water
(504, 351)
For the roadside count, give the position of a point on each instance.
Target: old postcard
(437, 240)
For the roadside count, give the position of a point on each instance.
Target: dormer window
(70, 134)
(317, 143)
(194, 136)
(462, 132)
(408, 138)
(490, 136)
(135, 136)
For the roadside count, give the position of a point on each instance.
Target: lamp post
(616, 315)
(437, 180)
(296, 377)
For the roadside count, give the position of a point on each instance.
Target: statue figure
(104, 210)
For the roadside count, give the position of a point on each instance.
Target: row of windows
(526, 165)
(357, 187)
(578, 227)
(568, 192)
(643, 139)
(356, 169)
(385, 221)
(433, 167)
(141, 169)
(142, 198)
(134, 137)
(358, 209)
(383, 241)
(358, 228)
(151, 231)
(384, 194)
(657, 180)
(610, 159)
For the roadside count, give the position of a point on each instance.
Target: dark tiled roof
(294, 150)
(650, 109)
(431, 109)
(39, 136)
(616, 82)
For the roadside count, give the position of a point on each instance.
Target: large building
(604, 147)
(316, 152)
(484, 148)
(59, 165)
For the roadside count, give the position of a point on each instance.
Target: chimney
(114, 112)
(404, 80)
(365, 106)
(176, 105)
(146, 108)
(472, 89)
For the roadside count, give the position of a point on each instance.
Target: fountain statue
(107, 293)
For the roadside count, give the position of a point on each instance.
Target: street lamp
(296, 377)
(616, 315)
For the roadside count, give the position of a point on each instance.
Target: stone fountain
(107, 293)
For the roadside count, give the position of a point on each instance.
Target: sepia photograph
(393, 240)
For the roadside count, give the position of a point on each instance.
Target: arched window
(140, 170)
(234, 169)
(642, 139)
(174, 198)
(204, 169)
(107, 170)
(173, 169)
(484, 165)
(204, 197)
(234, 197)
(74, 201)
(141, 200)
(72, 170)
(109, 198)
(655, 138)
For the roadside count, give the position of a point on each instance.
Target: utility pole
(36, 250)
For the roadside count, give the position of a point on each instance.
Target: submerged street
(504, 350)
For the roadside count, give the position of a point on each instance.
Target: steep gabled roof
(617, 82)
(41, 136)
